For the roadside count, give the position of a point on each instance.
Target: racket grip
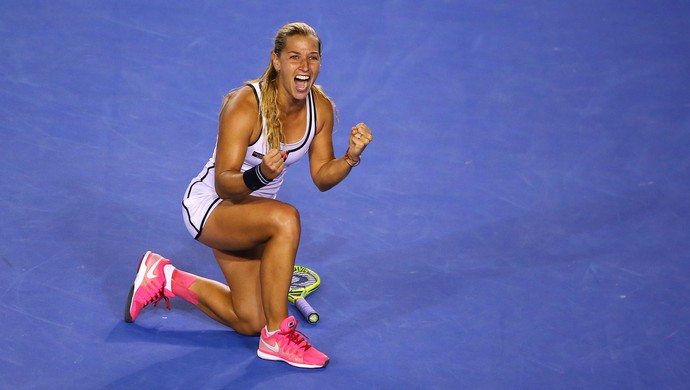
(307, 311)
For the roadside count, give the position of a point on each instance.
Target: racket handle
(307, 311)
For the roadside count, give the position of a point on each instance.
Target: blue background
(521, 219)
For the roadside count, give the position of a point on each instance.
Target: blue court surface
(521, 220)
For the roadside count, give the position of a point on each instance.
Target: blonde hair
(269, 91)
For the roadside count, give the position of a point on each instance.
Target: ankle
(179, 283)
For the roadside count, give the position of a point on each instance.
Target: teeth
(302, 78)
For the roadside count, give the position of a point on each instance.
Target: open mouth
(302, 82)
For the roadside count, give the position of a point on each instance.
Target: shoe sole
(128, 307)
(130, 296)
(267, 356)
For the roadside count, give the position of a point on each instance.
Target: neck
(289, 105)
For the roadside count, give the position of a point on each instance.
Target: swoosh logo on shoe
(275, 348)
(152, 274)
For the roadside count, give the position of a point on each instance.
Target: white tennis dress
(201, 198)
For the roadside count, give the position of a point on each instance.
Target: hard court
(520, 221)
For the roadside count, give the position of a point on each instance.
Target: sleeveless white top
(256, 151)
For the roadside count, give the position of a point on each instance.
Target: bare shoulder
(324, 111)
(239, 117)
(240, 102)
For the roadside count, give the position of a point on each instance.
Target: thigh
(244, 226)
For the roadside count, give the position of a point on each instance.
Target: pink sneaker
(290, 346)
(149, 286)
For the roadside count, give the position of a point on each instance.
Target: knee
(286, 221)
(249, 327)
(249, 320)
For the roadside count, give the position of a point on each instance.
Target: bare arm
(326, 170)
(238, 126)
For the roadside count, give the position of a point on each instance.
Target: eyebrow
(299, 52)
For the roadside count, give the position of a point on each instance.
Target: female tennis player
(264, 127)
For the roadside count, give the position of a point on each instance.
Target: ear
(276, 61)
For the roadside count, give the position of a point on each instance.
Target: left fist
(360, 137)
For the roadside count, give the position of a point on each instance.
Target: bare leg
(255, 244)
(212, 296)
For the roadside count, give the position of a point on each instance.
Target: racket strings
(301, 280)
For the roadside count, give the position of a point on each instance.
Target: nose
(304, 63)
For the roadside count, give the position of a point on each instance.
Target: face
(298, 65)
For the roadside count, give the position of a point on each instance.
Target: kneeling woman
(265, 126)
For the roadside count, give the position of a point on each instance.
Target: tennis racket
(304, 282)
